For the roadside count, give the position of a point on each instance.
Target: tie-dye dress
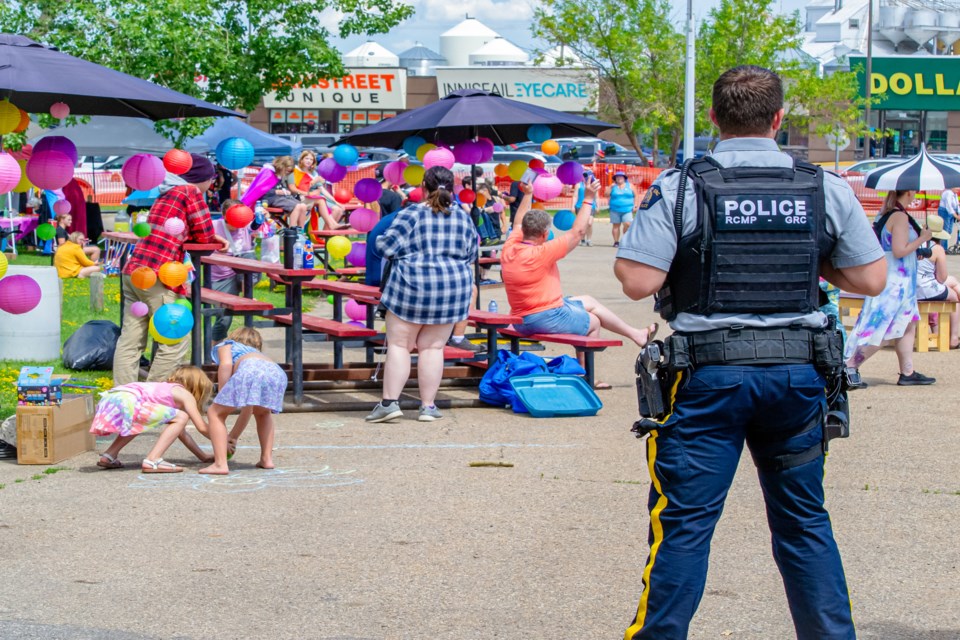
(133, 408)
(887, 316)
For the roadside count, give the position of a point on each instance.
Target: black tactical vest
(759, 239)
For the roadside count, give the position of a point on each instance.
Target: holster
(656, 368)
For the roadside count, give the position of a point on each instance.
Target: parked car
(314, 141)
(863, 167)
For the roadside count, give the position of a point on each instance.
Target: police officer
(736, 267)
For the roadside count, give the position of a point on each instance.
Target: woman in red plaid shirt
(186, 203)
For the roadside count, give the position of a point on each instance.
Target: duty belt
(742, 346)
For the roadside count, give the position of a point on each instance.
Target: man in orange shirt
(532, 278)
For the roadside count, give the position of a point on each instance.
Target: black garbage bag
(92, 346)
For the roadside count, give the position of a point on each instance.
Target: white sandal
(159, 466)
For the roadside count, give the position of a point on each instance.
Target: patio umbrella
(919, 173)
(471, 113)
(34, 77)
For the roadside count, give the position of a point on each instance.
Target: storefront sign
(912, 83)
(361, 89)
(571, 90)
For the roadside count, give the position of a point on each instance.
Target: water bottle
(298, 254)
(492, 307)
(308, 254)
(259, 215)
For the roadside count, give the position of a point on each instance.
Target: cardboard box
(47, 435)
(37, 386)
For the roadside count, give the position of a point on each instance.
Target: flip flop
(111, 462)
(159, 466)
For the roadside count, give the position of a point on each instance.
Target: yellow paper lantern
(159, 338)
(3, 265)
(422, 150)
(516, 169)
(338, 247)
(173, 274)
(24, 185)
(413, 175)
(550, 147)
(9, 117)
(501, 170)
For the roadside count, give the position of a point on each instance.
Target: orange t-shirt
(530, 273)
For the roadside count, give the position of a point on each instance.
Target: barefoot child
(130, 409)
(251, 382)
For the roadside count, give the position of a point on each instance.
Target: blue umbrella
(34, 77)
(471, 113)
(142, 198)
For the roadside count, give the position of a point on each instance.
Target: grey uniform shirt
(652, 240)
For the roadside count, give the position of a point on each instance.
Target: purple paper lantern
(547, 188)
(330, 171)
(49, 169)
(357, 323)
(439, 157)
(497, 206)
(143, 172)
(10, 173)
(355, 310)
(570, 172)
(62, 207)
(19, 294)
(57, 143)
(139, 309)
(367, 190)
(363, 219)
(358, 254)
(469, 152)
(487, 149)
(394, 171)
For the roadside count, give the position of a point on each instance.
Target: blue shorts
(570, 317)
(617, 218)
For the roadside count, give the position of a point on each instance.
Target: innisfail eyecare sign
(912, 83)
(564, 89)
(369, 88)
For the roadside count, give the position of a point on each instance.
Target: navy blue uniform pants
(692, 460)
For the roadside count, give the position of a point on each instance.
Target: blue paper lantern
(173, 321)
(346, 155)
(550, 236)
(563, 219)
(235, 153)
(411, 144)
(539, 133)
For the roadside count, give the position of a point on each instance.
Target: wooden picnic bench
(584, 345)
(851, 305)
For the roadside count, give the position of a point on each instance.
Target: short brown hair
(248, 336)
(746, 99)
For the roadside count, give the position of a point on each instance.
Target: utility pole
(868, 76)
(689, 106)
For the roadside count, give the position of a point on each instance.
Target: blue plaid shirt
(433, 255)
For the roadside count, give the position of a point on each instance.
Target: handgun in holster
(828, 358)
(651, 371)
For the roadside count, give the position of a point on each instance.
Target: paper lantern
(177, 161)
(423, 149)
(363, 219)
(330, 299)
(61, 207)
(547, 187)
(570, 172)
(393, 171)
(550, 236)
(487, 147)
(143, 278)
(357, 323)
(439, 157)
(411, 144)
(540, 171)
(415, 195)
(330, 171)
(481, 200)
(46, 231)
(3, 265)
(24, 122)
(57, 143)
(183, 302)
(10, 173)
(342, 195)
(563, 219)
(49, 169)
(139, 309)
(501, 170)
(550, 147)
(536, 163)
(497, 206)
(171, 323)
(143, 172)
(142, 229)
(238, 216)
(60, 110)
(358, 254)
(346, 155)
(355, 310)
(19, 294)
(539, 133)
(467, 196)
(367, 190)
(235, 153)
(9, 117)
(413, 175)
(516, 169)
(338, 247)
(468, 152)
(173, 274)
(174, 226)
(24, 185)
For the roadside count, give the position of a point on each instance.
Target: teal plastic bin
(550, 396)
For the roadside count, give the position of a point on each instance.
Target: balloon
(10, 173)
(547, 187)
(9, 117)
(536, 163)
(143, 172)
(171, 322)
(331, 171)
(355, 310)
(235, 153)
(346, 155)
(50, 169)
(563, 219)
(415, 195)
(174, 226)
(173, 274)
(393, 171)
(570, 172)
(363, 219)
(238, 216)
(143, 278)
(413, 175)
(358, 254)
(19, 294)
(338, 247)
(183, 302)
(501, 170)
(468, 152)
(59, 110)
(343, 196)
(550, 147)
(61, 207)
(411, 144)
(142, 229)
(46, 231)
(177, 161)
(3, 265)
(487, 146)
(139, 309)
(516, 169)
(24, 185)
(539, 133)
(57, 143)
(439, 157)
(423, 149)
(467, 196)
(367, 190)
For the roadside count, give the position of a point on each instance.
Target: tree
(229, 52)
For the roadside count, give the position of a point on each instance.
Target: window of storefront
(936, 130)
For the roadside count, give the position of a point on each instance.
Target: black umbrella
(920, 173)
(471, 113)
(34, 77)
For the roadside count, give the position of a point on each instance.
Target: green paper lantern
(141, 229)
(183, 302)
(46, 231)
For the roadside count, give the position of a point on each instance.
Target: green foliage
(830, 104)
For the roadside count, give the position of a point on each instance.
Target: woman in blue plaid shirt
(432, 247)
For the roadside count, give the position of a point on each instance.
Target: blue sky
(509, 18)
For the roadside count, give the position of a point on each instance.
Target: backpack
(881, 221)
(495, 386)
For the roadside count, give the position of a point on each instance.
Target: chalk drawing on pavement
(246, 481)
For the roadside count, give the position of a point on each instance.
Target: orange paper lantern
(177, 161)
(501, 170)
(173, 274)
(550, 147)
(24, 122)
(143, 278)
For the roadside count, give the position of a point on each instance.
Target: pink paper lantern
(439, 157)
(49, 169)
(19, 294)
(139, 309)
(61, 207)
(570, 172)
(331, 171)
(143, 172)
(547, 187)
(358, 254)
(393, 172)
(367, 190)
(488, 149)
(59, 110)
(57, 143)
(355, 310)
(497, 206)
(363, 219)
(174, 226)
(10, 173)
(469, 152)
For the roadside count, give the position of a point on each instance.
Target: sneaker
(382, 413)
(616, 244)
(466, 344)
(589, 243)
(429, 414)
(915, 378)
